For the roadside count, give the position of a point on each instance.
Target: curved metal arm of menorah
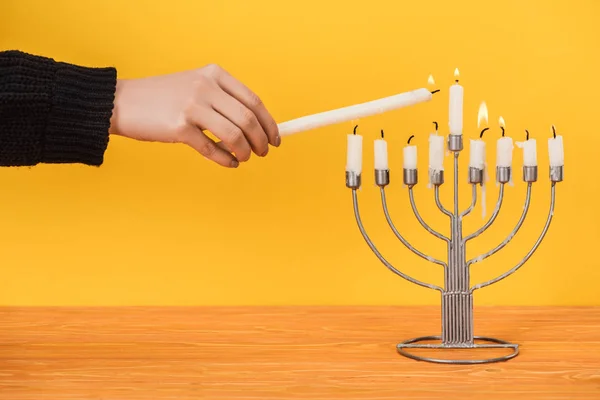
(378, 254)
(492, 217)
(533, 249)
(473, 202)
(510, 236)
(401, 238)
(421, 221)
(438, 203)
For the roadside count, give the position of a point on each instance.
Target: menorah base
(495, 344)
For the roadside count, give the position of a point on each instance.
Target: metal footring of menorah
(457, 294)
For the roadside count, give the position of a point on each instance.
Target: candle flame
(501, 122)
(430, 80)
(456, 73)
(482, 115)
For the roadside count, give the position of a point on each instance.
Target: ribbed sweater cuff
(81, 107)
(53, 112)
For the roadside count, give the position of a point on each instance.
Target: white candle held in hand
(504, 148)
(455, 116)
(381, 154)
(436, 151)
(410, 155)
(356, 111)
(354, 153)
(529, 147)
(556, 150)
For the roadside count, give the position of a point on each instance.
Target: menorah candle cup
(556, 173)
(475, 176)
(530, 173)
(353, 180)
(503, 174)
(382, 177)
(455, 142)
(410, 176)
(436, 177)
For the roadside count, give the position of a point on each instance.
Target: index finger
(244, 95)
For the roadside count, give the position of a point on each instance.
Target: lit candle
(504, 148)
(436, 151)
(477, 150)
(410, 155)
(455, 117)
(477, 153)
(381, 154)
(556, 150)
(529, 147)
(356, 111)
(354, 153)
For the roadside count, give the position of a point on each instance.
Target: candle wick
(554, 131)
(410, 138)
(435, 91)
(436, 125)
(502, 130)
(481, 134)
(355, 129)
(382, 134)
(527, 137)
(456, 80)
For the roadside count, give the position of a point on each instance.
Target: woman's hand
(179, 107)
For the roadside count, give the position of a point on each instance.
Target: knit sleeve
(53, 112)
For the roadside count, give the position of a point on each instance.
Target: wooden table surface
(286, 353)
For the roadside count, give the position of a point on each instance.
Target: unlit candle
(410, 156)
(381, 154)
(556, 151)
(354, 154)
(436, 152)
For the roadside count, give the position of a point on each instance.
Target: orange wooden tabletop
(286, 353)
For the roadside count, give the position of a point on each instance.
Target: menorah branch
(439, 204)
(378, 254)
(533, 249)
(473, 202)
(511, 235)
(401, 238)
(421, 221)
(492, 217)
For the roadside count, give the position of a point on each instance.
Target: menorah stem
(456, 154)
(456, 300)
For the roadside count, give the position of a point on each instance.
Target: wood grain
(286, 353)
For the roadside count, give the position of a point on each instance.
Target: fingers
(216, 152)
(244, 119)
(249, 99)
(231, 135)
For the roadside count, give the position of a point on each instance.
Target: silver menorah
(457, 292)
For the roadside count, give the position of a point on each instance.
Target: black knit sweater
(53, 112)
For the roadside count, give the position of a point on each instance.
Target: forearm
(53, 112)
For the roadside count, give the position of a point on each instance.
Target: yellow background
(159, 225)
